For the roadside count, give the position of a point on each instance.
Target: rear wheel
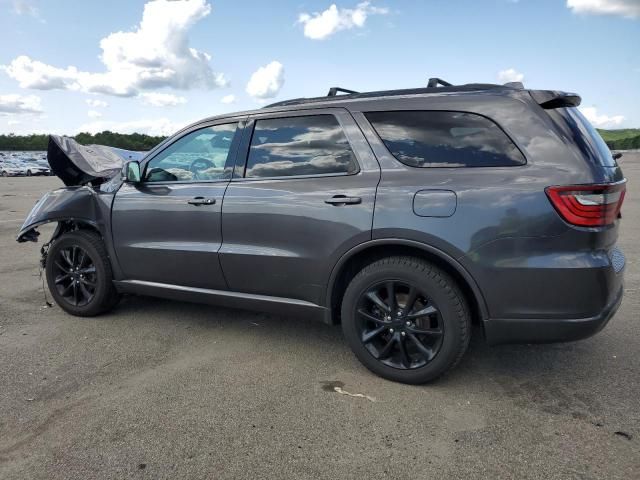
(405, 319)
(5, 174)
(28, 173)
(79, 274)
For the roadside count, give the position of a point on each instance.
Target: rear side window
(306, 145)
(445, 139)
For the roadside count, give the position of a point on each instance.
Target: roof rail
(333, 91)
(436, 85)
(435, 81)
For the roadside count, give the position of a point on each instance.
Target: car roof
(334, 100)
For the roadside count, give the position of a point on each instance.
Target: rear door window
(303, 145)
(445, 139)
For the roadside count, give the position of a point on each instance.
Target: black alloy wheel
(399, 325)
(75, 275)
(405, 319)
(79, 274)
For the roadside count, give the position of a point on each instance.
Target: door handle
(197, 201)
(338, 200)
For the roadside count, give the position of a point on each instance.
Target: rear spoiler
(549, 99)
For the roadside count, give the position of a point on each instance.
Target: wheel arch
(356, 258)
(64, 224)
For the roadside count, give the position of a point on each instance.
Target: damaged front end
(71, 204)
(92, 175)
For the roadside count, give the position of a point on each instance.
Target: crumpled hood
(77, 164)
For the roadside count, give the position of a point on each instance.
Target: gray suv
(405, 215)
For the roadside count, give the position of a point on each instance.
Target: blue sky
(70, 66)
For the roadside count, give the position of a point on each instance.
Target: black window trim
(239, 172)
(231, 160)
(392, 110)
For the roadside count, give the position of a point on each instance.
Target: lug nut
(403, 334)
(391, 330)
(408, 324)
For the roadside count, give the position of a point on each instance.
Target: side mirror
(131, 172)
(617, 155)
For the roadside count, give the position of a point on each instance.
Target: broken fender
(76, 205)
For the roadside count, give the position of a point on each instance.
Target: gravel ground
(161, 389)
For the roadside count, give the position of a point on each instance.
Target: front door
(166, 229)
(302, 195)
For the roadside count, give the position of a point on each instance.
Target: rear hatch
(597, 204)
(589, 142)
(578, 134)
(593, 207)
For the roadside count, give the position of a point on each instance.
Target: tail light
(588, 205)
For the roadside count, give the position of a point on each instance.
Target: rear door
(302, 195)
(166, 229)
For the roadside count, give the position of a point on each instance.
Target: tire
(5, 174)
(427, 338)
(92, 274)
(28, 173)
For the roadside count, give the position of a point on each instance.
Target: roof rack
(435, 81)
(434, 85)
(333, 91)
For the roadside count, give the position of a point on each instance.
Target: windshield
(579, 131)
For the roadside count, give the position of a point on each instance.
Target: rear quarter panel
(504, 231)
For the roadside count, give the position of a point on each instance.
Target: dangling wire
(43, 251)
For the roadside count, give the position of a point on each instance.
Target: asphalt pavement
(163, 389)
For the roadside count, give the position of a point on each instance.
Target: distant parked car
(35, 169)
(10, 169)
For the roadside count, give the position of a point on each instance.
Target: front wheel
(79, 274)
(405, 319)
(28, 173)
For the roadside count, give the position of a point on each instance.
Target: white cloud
(157, 126)
(40, 76)
(156, 54)
(94, 114)
(601, 120)
(96, 103)
(267, 81)
(156, 99)
(624, 8)
(25, 7)
(228, 99)
(321, 25)
(18, 104)
(13, 122)
(510, 75)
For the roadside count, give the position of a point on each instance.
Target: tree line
(132, 141)
(623, 139)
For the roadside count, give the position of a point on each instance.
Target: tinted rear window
(445, 139)
(577, 129)
(307, 145)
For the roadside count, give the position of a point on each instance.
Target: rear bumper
(500, 331)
